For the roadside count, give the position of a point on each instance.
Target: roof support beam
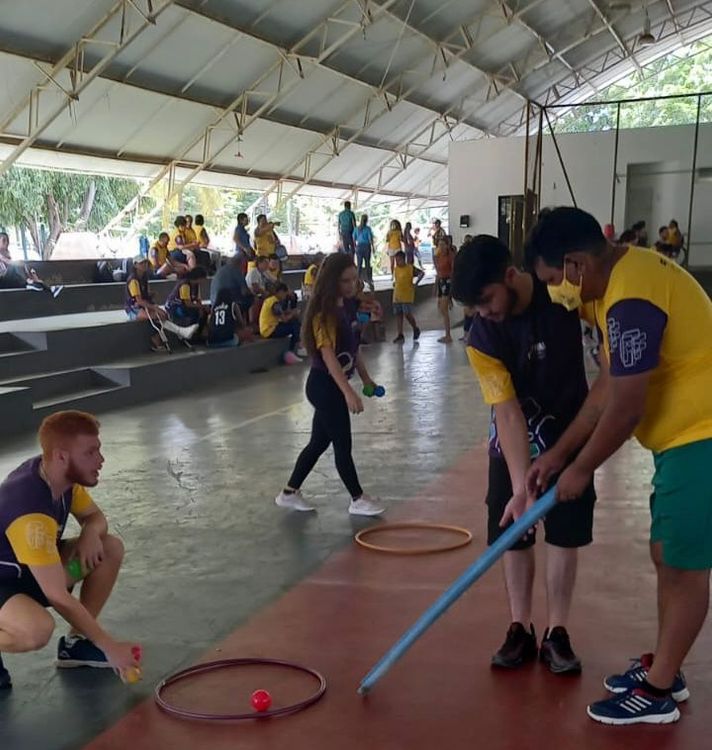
(73, 61)
(265, 89)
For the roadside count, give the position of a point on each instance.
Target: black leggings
(331, 424)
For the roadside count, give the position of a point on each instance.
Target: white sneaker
(301, 352)
(183, 332)
(293, 501)
(366, 506)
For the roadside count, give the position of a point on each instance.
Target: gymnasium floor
(215, 570)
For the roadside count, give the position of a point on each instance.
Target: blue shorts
(402, 308)
(234, 341)
(132, 314)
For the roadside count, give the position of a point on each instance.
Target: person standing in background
(347, 225)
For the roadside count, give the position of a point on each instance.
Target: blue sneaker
(5, 681)
(76, 651)
(622, 683)
(634, 707)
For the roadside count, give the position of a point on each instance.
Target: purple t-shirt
(543, 352)
(348, 339)
(24, 492)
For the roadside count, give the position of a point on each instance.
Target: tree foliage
(46, 203)
(687, 71)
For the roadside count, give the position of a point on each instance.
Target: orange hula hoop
(360, 538)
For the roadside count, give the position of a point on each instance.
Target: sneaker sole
(73, 663)
(679, 696)
(289, 506)
(670, 718)
(575, 669)
(498, 663)
(377, 512)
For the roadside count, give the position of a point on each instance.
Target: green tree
(688, 71)
(59, 201)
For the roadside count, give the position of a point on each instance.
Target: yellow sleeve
(324, 335)
(184, 292)
(33, 538)
(134, 288)
(495, 379)
(81, 501)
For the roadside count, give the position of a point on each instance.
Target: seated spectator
(184, 304)
(257, 279)
(226, 326)
(179, 248)
(11, 277)
(276, 321)
(310, 276)
(231, 278)
(139, 305)
(161, 262)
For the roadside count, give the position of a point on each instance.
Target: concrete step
(93, 399)
(56, 385)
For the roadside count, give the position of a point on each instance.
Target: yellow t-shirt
(184, 292)
(158, 256)
(310, 275)
(190, 235)
(265, 243)
(134, 288)
(201, 235)
(394, 239)
(172, 245)
(403, 286)
(655, 317)
(269, 316)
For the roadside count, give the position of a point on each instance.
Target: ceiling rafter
(80, 77)
(270, 97)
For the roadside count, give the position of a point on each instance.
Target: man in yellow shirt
(655, 324)
(36, 500)
(405, 278)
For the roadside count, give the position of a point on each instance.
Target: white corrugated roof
(351, 96)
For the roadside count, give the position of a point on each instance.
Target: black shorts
(444, 288)
(26, 585)
(569, 524)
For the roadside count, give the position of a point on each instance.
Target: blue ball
(379, 391)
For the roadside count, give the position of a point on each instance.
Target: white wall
(482, 170)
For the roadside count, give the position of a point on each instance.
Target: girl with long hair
(394, 240)
(331, 336)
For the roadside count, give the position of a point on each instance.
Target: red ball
(261, 700)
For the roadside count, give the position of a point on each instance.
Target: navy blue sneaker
(635, 707)
(5, 681)
(76, 651)
(622, 683)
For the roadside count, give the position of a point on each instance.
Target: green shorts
(681, 505)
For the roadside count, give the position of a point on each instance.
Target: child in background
(394, 240)
(310, 277)
(444, 260)
(184, 305)
(405, 278)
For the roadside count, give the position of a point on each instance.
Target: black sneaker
(5, 681)
(557, 654)
(518, 648)
(416, 333)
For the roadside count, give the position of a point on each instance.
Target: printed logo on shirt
(37, 538)
(632, 347)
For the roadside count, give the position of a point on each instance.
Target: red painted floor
(443, 693)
